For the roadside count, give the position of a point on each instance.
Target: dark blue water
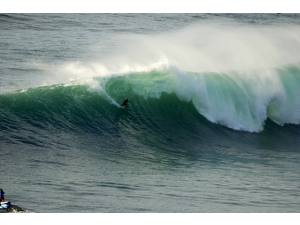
(212, 122)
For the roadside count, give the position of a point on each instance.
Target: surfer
(125, 103)
(2, 199)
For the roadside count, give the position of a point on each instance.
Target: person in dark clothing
(125, 103)
(2, 199)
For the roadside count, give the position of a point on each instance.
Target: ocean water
(212, 123)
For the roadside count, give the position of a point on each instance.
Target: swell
(24, 22)
(14, 17)
(57, 106)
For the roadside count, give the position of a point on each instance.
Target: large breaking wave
(232, 100)
(234, 75)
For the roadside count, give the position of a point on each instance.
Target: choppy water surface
(212, 122)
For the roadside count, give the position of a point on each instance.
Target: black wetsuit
(125, 103)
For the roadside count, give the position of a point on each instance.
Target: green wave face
(238, 101)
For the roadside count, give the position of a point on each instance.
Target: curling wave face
(230, 99)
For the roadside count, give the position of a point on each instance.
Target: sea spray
(236, 75)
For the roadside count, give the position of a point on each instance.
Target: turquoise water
(212, 122)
